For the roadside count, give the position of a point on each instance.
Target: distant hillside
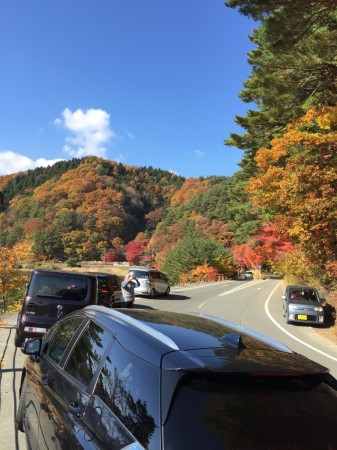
(82, 206)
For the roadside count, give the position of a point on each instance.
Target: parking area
(11, 360)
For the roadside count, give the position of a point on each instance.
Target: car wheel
(129, 304)
(21, 408)
(152, 293)
(112, 302)
(18, 340)
(167, 291)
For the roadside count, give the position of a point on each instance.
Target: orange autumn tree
(201, 273)
(296, 186)
(11, 280)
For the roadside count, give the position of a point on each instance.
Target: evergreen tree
(294, 67)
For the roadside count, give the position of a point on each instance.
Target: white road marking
(238, 288)
(188, 288)
(287, 332)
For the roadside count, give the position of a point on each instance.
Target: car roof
(299, 286)
(198, 342)
(70, 273)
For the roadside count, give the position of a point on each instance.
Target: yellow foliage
(10, 278)
(327, 117)
(265, 157)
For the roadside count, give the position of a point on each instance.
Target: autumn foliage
(12, 282)
(296, 185)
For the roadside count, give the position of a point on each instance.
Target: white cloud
(199, 153)
(90, 131)
(130, 135)
(11, 162)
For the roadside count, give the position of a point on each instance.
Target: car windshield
(247, 412)
(304, 294)
(58, 286)
(140, 273)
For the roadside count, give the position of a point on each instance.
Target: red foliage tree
(113, 255)
(135, 252)
(265, 248)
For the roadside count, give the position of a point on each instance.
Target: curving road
(254, 304)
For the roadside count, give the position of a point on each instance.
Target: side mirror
(32, 347)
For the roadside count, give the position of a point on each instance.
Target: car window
(61, 338)
(304, 294)
(116, 282)
(216, 413)
(140, 273)
(130, 388)
(105, 425)
(61, 286)
(85, 357)
(163, 276)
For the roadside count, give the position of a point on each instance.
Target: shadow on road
(166, 297)
(330, 316)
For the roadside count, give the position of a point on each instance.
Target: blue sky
(141, 82)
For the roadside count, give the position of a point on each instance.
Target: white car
(152, 282)
(249, 275)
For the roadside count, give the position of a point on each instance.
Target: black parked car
(146, 379)
(51, 294)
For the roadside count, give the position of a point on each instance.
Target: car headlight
(292, 307)
(318, 308)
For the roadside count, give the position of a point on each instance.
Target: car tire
(18, 340)
(167, 291)
(21, 408)
(129, 304)
(152, 293)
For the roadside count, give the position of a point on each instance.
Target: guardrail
(199, 280)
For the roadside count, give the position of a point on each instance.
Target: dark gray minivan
(51, 294)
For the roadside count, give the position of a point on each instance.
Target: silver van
(152, 282)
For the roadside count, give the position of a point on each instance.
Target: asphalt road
(254, 304)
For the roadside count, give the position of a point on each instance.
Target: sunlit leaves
(299, 187)
(11, 280)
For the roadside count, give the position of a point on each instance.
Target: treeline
(81, 209)
(289, 141)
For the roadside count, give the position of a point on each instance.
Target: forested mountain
(81, 207)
